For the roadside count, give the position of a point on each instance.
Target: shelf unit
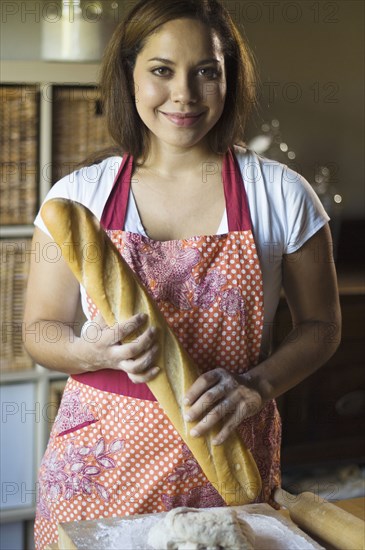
(45, 75)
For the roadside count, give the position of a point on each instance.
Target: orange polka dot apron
(112, 450)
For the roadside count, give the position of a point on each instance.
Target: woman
(213, 231)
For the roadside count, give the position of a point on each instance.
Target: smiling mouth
(182, 115)
(183, 119)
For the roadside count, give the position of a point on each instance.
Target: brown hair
(125, 125)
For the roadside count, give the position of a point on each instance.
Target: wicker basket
(79, 128)
(19, 123)
(14, 257)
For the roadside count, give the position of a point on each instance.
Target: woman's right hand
(102, 347)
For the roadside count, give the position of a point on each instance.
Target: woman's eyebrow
(164, 60)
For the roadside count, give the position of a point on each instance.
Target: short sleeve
(89, 186)
(304, 212)
(65, 188)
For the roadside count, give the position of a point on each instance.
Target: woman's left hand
(217, 396)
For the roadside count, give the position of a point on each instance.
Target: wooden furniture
(323, 417)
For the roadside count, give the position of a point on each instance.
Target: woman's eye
(161, 71)
(209, 72)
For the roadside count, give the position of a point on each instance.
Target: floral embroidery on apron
(112, 450)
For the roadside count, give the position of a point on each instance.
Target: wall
(312, 79)
(310, 60)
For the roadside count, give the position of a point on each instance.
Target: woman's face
(180, 83)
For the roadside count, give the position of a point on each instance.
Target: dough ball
(199, 529)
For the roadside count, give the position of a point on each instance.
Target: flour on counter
(272, 531)
(131, 534)
(276, 535)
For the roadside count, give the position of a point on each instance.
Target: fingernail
(187, 417)
(215, 442)
(194, 433)
(186, 401)
(142, 317)
(155, 370)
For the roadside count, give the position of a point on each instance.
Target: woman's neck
(167, 162)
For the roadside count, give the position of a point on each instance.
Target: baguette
(118, 294)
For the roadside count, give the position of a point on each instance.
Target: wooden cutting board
(272, 529)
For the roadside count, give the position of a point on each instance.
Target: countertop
(355, 506)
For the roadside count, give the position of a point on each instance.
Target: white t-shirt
(284, 209)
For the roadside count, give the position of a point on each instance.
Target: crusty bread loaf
(118, 294)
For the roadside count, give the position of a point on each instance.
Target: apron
(112, 450)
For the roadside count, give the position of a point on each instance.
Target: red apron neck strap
(115, 208)
(238, 214)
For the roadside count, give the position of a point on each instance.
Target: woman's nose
(184, 89)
